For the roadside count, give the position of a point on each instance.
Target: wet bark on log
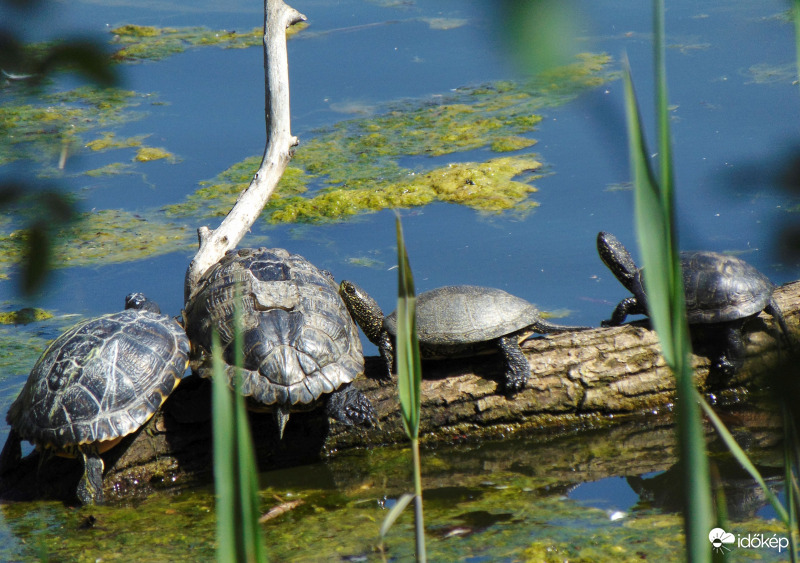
(579, 380)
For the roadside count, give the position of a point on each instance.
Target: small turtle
(722, 292)
(458, 321)
(300, 345)
(96, 383)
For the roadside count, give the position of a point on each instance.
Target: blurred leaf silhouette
(26, 68)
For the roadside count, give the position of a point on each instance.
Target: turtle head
(141, 302)
(364, 310)
(617, 258)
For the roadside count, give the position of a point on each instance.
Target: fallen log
(579, 380)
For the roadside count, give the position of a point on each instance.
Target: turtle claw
(514, 383)
(726, 366)
(351, 407)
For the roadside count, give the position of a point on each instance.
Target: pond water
(735, 116)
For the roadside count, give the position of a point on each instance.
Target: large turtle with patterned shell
(722, 293)
(300, 346)
(98, 382)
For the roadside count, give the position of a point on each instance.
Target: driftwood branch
(278, 17)
(578, 380)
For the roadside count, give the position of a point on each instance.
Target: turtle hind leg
(11, 454)
(90, 487)
(516, 364)
(776, 313)
(351, 406)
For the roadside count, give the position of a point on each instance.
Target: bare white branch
(278, 17)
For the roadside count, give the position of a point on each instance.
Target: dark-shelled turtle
(458, 321)
(722, 292)
(96, 383)
(300, 345)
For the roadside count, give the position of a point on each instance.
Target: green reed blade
(665, 299)
(239, 536)
(393, 514)
(409, 367)
(409, 377)
(224, 468)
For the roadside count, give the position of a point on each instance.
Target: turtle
(99, 381)
(300, 345)
(458, 321)
(722, 293)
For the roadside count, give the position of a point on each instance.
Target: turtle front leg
(628, 306)
(730, 355)
(387, 353)
(351, 406)
(90, 487)
(517, 367)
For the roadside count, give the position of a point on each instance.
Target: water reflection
(482, 498)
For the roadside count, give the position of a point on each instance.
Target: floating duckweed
(771, 74)
(112, 169)
(445, 23)
(140, 30)
(146, 154)
(216, 197)
(356, 162)
(486, 186)
(109, 141)
(24, 316)
(587, 72)
(113, 236)
(103, 237)
(509, 144)
(365, 262)
(39, 131)
(156, 43)
(19, 350)
(10, 246)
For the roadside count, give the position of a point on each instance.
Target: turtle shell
(467, 314)
(722, 288)
(100, 380)
(299, 341)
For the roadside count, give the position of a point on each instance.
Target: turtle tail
(281, 418)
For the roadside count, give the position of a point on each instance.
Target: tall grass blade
(224, 446)
(236, 479)
(791, 449)
(253, 543)
(393, 514)
(665, 301)
(409, 377)
(409, 367)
